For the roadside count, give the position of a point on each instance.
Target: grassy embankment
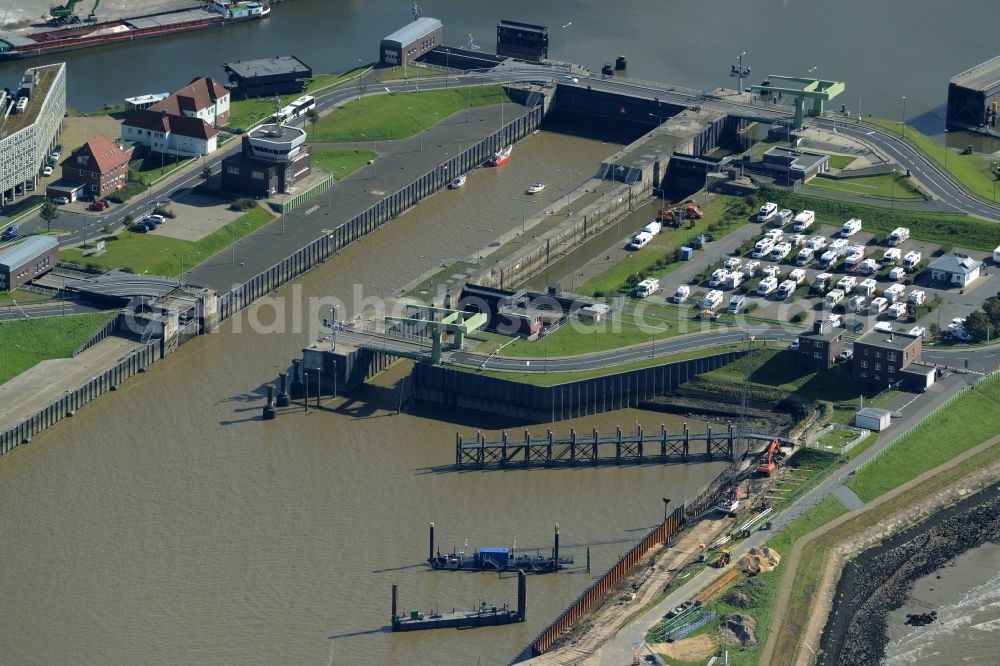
(958, 230)
(245, 113)
(974, 171)
(27, 342)
(154, 254)
(382, 117)
(888, 187)
(342, 162)
(150, 169)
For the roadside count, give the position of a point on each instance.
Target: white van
(653, 227)
(767, 211)
(682, 293)
(750, 268)
(898, 235)
(762, 248)
(891, 257)
(640, 240)
(877, 306)
(797, 275)
(733, 263)
(647, 287)
(780, 251)
(737, 304)
(783, 217)
(786, 289)
(712, 300)
(911, 259)
(897, 310)
(833, 297)
(804, 220)
(816, 242)
(805, 255)
(850, 228)
(719, 276)
(774, 234)
(897, 273)
(917, 297)
(867, 287)
(822, 280)
(868, 267)
(829, 258)
(767, 285)
(733, 280)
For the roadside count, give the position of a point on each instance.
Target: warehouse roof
(26, 250)
(872, 412)
(414, 31)
(249, 69)
(984, 76)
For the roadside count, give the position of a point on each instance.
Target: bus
(296, 109)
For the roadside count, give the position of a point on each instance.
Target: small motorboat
(536, 188)
(458, 182)
(501, 156)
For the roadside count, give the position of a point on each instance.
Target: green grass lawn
(26, 342)
(971, 419)
(342, 162)
(412, 72)
(835, 439)
(841, 161)
(553, 378)
(7, 298)
(381, 117)
(245, 113)
(804, 470)
(973, 171)
(958, 230)
(720, 213)
(151, 168)
(887, 186)
(153, 254)
(862, 446)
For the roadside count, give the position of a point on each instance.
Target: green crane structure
(66, 11)
(819, 91)
(454, 321)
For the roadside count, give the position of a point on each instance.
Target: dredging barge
(481, 616)
(498, 559)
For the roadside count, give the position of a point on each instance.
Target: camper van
(867, 287)
(767, 286)
(640, 240)
(733, 263)
(737, 304)
(783, 217)
(767, 211)
(647, 288)
(762, 248)
(894, 292)
(850, 228)
(733, 280)
(786, 289)
(829, 258)
(796, 240)
(853, 262)
(804, 220)
(712, 300)
(856, 304)
(833, 297)
(750, 268)
(917, 297)
(780, 251)
(868, 267)
(911, 259)
(898, 235)
(897, 273)
(719, 276)
(847, 283)
(774, 234)
(897, 310)
(822, 280)
(797, 275)
(877, 306)
(891, 257)
(682, 293)
(653, 227)
(816, 243)
(805, 255)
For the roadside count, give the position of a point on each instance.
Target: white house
(171, 135)
(955, 270)
(203, 98)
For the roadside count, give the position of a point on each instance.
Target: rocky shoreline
(880, 579)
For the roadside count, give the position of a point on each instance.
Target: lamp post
(902, 131)
(479, 253)
(566, 41)
(385, 322)
(523, 203)
(666, 501)
(946, 149)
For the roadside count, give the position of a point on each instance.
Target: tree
(313, 118)
(48, 213)
(129, 222)
(977, 326)
(992, 309)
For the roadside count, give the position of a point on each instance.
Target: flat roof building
(973, 96)
(145, 101)
(269, 76)
(27, 260)
(411, 41)
(881, 357)
(272, 160)
(820, 346)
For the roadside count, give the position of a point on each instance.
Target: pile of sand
(696, 648)
(757, 560)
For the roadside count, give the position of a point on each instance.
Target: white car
(640, 240)
(47, 171)
(570, 78)
(719, 276)
(61, 201)
(917, 332)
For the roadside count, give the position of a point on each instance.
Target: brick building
(819, 347)
(272, 159)
(100, 164)
(883, 358)
(27, 260)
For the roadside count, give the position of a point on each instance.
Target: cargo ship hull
(112, 32)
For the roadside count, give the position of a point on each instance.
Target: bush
(243, 204)
(798, 317)
(945, 249)
(165, 212)
(127, 192)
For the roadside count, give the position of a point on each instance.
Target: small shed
(872, 419)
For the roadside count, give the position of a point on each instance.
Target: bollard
(283, 399)
(269, 412)
(297, 386)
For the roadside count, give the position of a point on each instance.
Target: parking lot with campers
(796, 270)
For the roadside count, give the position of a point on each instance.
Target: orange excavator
(689, 210)
(771, 457)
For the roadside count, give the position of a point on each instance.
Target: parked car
(845, 355)
(46, 171)
(794, 344)
(159, 219)
(140, 228)
(767, 211)
(98, 205)
(60, 201)
(733, 263)
(10, 232)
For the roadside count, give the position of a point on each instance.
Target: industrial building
(273, 158)
(522, 40)
(973, 96)
(411, 41)
(26, 136)
(788, 165)
(27, 260)
(268, 76)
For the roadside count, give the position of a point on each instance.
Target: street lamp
(666, 501)
(903, 128)
(523, 203)
(566, 41)
(659, 122)
(479, 254)
(385, 321)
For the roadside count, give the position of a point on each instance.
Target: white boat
(536, 188)
(458, 182)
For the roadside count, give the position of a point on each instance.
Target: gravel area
(27, 15)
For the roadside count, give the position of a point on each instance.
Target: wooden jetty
(482, 616)
(640, 447)
(498, 559)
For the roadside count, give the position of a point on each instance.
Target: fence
(375, 216)
(100, 334)
(300, 198)
(606, 583)
(937, 410)
(71, 401)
